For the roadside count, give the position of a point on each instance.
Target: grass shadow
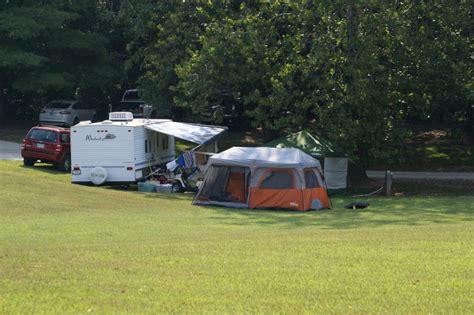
(382, 212)
(166, 196)
(45, 168)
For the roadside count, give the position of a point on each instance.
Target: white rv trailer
(124, 150)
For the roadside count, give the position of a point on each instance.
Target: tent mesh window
(311, 180)
(226, 184)
(277, 179)
(237, 185)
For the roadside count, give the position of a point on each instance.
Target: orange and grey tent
(263, 178)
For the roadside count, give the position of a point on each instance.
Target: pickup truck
(132, 102)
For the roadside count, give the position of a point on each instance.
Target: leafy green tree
(160, 35)
(356, 71)
(249, 54)
(52, 48)
(435, 59)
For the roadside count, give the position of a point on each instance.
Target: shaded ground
(435, 148)
(431, 148)
(423, 175)
(417, 187)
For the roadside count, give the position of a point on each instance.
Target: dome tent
(263, 178)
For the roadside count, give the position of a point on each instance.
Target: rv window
(164, 142)
(277, 179)
(146, 146)
(310, 179)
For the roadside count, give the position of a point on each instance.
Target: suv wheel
(65, 165)
(28, 162)
(75, 121)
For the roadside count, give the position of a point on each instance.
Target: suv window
(43, 135)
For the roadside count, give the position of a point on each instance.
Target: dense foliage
(354, 71)
(53, 49)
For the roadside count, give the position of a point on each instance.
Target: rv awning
(195, 133)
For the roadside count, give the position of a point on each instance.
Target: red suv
(49, 144)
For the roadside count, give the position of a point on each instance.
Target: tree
(52, 47)
(355, 71)
(160, 36)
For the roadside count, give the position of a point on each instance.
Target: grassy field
(75, 249)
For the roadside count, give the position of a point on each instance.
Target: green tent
(314, 145)
(334, 160)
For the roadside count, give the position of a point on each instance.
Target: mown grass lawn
(74, 249)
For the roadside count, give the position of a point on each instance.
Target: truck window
(131, 96)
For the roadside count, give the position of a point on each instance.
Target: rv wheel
(176, 188)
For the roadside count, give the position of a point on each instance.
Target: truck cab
(132, 102)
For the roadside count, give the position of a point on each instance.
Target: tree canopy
(357, 72)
